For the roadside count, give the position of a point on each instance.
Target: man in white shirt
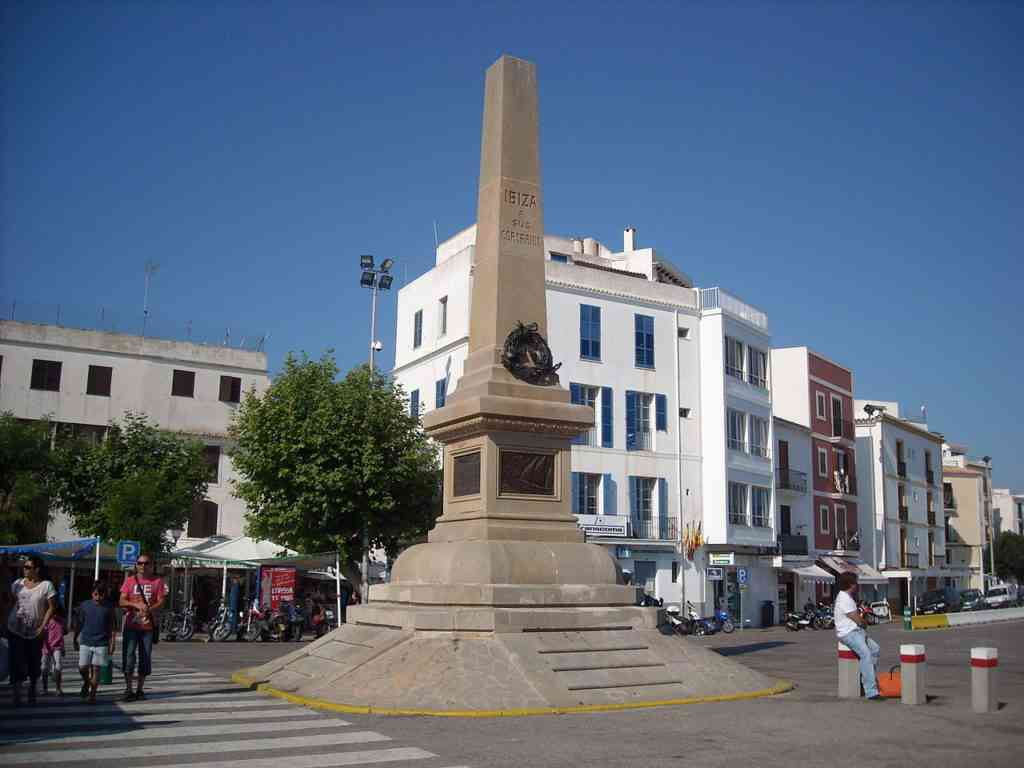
(850, 629)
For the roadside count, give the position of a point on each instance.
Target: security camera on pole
(376, 279)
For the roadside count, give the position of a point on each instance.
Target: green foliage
(1010, 556)
(24, 479)
(317, 457)
(136, 484)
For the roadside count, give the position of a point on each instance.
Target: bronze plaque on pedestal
(526, 473)
(466, 474)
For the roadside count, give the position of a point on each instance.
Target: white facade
(140, 379)
(1009, 510)
(636, 475)
(903, 530)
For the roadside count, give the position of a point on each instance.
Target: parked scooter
(701, 625)
(259, 627)
(797, 621)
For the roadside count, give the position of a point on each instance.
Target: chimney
(629, 239)
(589, 246)
(577, 246)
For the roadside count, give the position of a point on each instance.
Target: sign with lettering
(128, 552)
(714, 574)
(722, 558)
(278, 585)
(603, 525)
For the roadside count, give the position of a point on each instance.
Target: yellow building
(967, 502)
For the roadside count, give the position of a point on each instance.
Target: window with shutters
(600, 399)
(46, 375)
(183, 384)
(590, 332)
(440, 392)
(442, 316)
(738, 504)
(734, 357)
(211, 457)
(759, 506)
(230, 389)
(202, 523)
(98, 381)
(644, 341)
(644, 499)
(737, 423)
(417, 329)
(757, 368)
(759, 436)
(588, 490)
(414, 403)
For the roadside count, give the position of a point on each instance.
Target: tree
(24, 480)
(319, 458)
(1010, 556)
(136, 484)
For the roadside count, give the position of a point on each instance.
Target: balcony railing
(792, 545)
(759, 521)
(904, 513)
(843, 482)
(732, 370)
(790, 480)
(849, 544)
(737, 445)
(929, 475)
(715, 298)
(901, 468)
(909, 560)
(842, 428)
(661, 529)
(939, 561)
(759, 450)
(738, 519)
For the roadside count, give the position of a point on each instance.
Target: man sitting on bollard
(851, 632)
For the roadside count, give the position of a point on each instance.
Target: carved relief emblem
(528, 357)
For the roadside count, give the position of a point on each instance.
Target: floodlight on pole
(376, 279)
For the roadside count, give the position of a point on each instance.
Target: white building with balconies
(903, 534)
(629, 330)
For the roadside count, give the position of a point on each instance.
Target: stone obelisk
(505, 608)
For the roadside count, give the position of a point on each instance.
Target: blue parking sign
(128, 552)
(742, 575)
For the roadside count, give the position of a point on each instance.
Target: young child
(96, 639)
(53, 649)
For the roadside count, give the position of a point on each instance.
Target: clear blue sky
(856, 171)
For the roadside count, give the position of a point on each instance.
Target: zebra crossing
(190, 719)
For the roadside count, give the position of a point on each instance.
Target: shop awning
(63, 551)
(865, 573)
(810, 572)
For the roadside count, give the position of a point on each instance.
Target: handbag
(152, 618)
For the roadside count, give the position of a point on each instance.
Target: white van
(1001, 596)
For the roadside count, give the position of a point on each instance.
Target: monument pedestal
(506, 608)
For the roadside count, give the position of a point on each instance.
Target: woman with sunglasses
(34, 601)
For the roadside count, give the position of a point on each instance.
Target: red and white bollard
(983, 679)
(912, 671)
(849, 673)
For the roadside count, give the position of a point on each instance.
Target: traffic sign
(742, 575)
(128, 552)
(714, 574)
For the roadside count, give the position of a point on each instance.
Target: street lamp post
(376, 279)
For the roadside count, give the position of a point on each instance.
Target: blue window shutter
(650, 341)
(576, 393)
(575, 493)
(631, 421)
(638, 341)
(414, 403)
(661, 412)
(584, 346)
(609, 494)
(663, 507)
(633, 497)
(439, 392)
(606, 417)
(595, 332)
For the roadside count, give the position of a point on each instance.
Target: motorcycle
(323, 620)
(822, 618)
(723, 622)
(179, 625)
(258, 626)
(867, 614)
(288, 621)
(701, 625)
(220, 626)
(680, 625)
(797, 621)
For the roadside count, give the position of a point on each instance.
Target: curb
(971, 619)
(783, 686)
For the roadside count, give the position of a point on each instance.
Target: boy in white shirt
(850, 629)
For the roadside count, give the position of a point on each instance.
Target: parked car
(1002, 596)
(938, 601)
(972, 600)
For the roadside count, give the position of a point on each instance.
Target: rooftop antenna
(924, 414)
(150, 268)
(435, 234)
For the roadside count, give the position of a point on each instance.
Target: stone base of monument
(403, 659)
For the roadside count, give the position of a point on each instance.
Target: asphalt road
(808, 726)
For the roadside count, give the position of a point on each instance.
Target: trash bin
(767, 613)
